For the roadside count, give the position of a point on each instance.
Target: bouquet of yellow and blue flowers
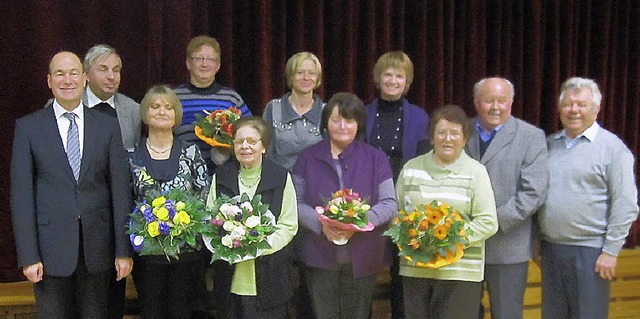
(430, 236)
(345, 210)
(239, 228)
(167, 223)
(216, 129)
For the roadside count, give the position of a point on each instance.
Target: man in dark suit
(70, 198)
(515, 155)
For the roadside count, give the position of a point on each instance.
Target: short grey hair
(581, 83)
(98, 51)
(479, 84)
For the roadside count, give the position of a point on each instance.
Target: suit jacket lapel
(473, 145)
(122, 109)
(503, 138)
(90, 136)
(49, 127)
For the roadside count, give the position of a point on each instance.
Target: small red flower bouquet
(345, 210)
(216, 129)
(430, 236)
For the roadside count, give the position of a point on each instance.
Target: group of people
(78, 164)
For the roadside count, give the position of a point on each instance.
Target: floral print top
(185, 169)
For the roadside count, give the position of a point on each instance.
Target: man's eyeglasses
(249, 140)
(200, 59)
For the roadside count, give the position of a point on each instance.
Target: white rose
(228, 226)
(138, 240)
(230, 210)
(365, 207)
(238, 233)
(227, 241)
(246, 206)
(252, 221)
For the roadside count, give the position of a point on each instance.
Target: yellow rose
(162, 213)
(158, 201)
(182, 217)
(152, 228)
(180, 205)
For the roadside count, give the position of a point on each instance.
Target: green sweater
(464, 185)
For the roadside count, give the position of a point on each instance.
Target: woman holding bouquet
(447, 174)
(256, 288)
(341, 278)
(162, 163)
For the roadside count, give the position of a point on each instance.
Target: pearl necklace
(249, 184)
(159, 152)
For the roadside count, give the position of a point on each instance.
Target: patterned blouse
(185, 168)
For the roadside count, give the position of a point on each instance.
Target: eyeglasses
(249, 140)
(200, 59)
(453, 135)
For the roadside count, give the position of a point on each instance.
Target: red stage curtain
(536, 44)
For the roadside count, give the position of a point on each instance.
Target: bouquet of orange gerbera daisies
(216, 129)
(430, 236)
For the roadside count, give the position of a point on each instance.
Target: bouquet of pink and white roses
(239, 228)
(346, 210)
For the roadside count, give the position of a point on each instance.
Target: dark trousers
(506, 284)
(301, 300)
(81, 295)
(245, 307)
(337, 294)
(430, 298)
(117, 291)
(395, 295)
(571, 288)
(168, 290)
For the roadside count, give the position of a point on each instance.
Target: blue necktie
(73, 144)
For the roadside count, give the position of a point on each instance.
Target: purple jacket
(364, 168)
(414, 130)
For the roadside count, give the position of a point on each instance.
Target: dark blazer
(48, 204)
(128, 112)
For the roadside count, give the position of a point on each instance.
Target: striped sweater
(215, 97)
(464, 185)
(194, 101)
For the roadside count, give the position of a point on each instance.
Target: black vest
(272, 271)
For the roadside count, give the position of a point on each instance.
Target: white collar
(590, 133)
(93, 99)
(59, 111)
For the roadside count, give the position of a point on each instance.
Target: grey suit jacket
(518, 166)
(128, 117)
(48, 205)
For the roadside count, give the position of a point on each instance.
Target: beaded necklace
(159, 152)
(249, 184)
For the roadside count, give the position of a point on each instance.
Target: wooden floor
(17, 301)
